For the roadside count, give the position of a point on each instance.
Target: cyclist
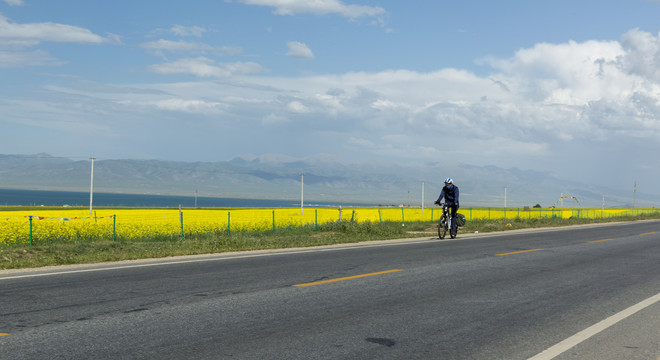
(450, 195)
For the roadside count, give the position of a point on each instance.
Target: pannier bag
(460, 219)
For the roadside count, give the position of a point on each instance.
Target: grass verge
(103, 250)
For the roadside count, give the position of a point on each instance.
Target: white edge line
(219, 258)
(585, 334)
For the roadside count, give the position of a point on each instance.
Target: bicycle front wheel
(442, 227)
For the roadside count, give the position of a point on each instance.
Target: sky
(565, 86)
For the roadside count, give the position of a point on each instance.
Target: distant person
(449, 194)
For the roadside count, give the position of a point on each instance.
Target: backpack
(460, 219)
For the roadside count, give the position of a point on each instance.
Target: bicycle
(444, 224)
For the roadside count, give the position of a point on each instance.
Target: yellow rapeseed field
(129, 224)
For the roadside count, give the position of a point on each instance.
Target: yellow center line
(348, 278)
(648, 233)
(518, 252)
(595, 241)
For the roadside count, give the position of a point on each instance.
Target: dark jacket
(450, 195)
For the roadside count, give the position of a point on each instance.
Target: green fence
(77, 225)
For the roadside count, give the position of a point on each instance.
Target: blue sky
(571, 87)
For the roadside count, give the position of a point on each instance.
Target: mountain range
(324, 179)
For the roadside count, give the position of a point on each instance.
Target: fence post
(316, 220)
(380, 218)
(273, 222)
(228, 223)
(114, 227)
(403, 220)
(352, 215)
(30, 230)
(181, 221)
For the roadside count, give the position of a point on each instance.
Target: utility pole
(504, 198)
(635, 195)
(91, 186)
(422, 197)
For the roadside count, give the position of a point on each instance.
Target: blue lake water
(11, 197)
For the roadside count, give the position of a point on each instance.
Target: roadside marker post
(181, 221)
(30, 230)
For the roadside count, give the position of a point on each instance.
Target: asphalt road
(500, 296)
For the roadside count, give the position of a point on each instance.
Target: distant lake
(11, 197)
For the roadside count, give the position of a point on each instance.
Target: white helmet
(449, 181)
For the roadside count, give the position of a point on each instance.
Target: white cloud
(191, 106)
(160, 46)
(35, 33)
(175, 46)
(318, 7)
(23, 59)
(205, 67)
(297, 107)
(362, 143)
(642, 54)
(537, 101)
(590, 91)
(383, 104)
(299, 50)
(180, 30)
(550, 103)
(571, 73)
(542, 99)
(14, 2)
(16, 37)
(273, 119)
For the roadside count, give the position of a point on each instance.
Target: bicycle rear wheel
(442, 227)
